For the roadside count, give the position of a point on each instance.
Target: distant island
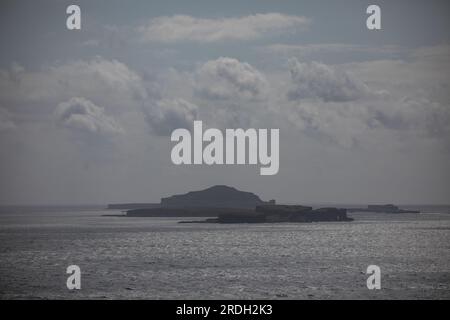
(126, 206)
(224, 204)
(383, 208)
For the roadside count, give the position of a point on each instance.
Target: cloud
(82, 115)
(317, 80)
(6, 123)
(342, 123)
(329, 103)
(421, 69)
(418, 103)
(108, 81)
(187, 28)
(329, 53)
(165, 115)
(227, 78)
(352, 123)
(417, 114)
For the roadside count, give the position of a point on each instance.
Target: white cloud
(108, 81)
(419, 91)
(317, 80)
(165, 115)
(187, 28)
(351, 123)
(418, 115)
(328, 102)
(344, 123)
(228, 78)
(82, 115)
(420, 70)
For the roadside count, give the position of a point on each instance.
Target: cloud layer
(187, 28)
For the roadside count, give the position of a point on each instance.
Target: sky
(86, 115)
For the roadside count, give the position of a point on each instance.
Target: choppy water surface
(157, 258)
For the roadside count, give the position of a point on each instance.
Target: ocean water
(158, 258)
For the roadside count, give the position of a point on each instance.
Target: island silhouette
(224, 204)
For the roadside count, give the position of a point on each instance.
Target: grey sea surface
(158, 258)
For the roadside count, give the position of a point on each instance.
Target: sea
(160, 258)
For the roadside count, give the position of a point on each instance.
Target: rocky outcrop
(285, 213)
(382, 208)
